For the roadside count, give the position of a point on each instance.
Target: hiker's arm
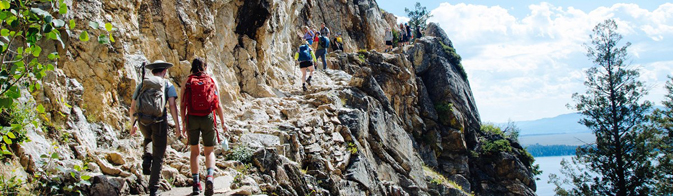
(220, 113)
(183, 107)
(174, 113)
(132, 110)
(133, 119)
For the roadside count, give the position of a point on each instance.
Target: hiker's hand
(224, 127)
(133, 130)
(177, 132)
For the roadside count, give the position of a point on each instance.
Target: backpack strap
(215, 108)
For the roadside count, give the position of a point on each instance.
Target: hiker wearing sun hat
(148, 111)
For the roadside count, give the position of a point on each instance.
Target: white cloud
(402, 19)
(527, 68)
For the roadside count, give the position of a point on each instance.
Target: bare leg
(194, 159)
(210, 156)
(311, 69)
(303, 74)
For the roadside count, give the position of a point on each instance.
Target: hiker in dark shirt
(324, 31)
(321, 52)
(418, 32)
(409, 36)
(337, 42)
(154, 130)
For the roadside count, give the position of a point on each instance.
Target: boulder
(102, 185)
(115, 158)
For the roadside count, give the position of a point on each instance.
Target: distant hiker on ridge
(325, 31)
(389, 40)
(305, 57)
(338, 43)
(308, 35)
(148, 109)
(321, 52)
(403, 35)
(315, 38)
(409, 36)
(200, 103)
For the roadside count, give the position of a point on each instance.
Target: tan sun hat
(159, 64)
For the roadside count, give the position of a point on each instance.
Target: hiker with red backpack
(200, 103)
(148, 111)
(305, 57)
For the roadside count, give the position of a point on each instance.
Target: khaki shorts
(201, 124)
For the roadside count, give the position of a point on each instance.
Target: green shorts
(201, 124)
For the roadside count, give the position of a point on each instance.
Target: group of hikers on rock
(318, 40)
(404, 35)
(200, 105)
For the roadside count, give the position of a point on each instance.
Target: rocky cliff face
(379, 124)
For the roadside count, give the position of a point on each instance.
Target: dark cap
(159, 64)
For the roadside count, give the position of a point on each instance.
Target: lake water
(548, 165)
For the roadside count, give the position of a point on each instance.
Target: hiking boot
(147, 165)
(304, 87)
(155, 192)
(196, 189)
(308, 80)
(209, 186)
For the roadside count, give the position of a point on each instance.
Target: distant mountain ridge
(562, 124)
(565, 123)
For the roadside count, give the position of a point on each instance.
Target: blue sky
(525, 58)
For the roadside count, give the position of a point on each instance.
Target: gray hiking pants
(157, 134)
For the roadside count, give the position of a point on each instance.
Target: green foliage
(613, 111)
(438, 179)
(454, 59)
(64, 182)
(241, 153)
(510, 131)
(25, 25)
(241, 173)
(362, 54)
(445, 113)
(10, 186)
(352, 148)
(490, 128)
(19, 116)
(501, 145)
(418, 17)
(65, 137)
(663, 124)
(474, 154)
(396, 37)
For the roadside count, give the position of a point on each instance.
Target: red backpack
(200, 95)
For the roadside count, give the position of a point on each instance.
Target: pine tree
(418, 17)
(619, 162)
(663, 122)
